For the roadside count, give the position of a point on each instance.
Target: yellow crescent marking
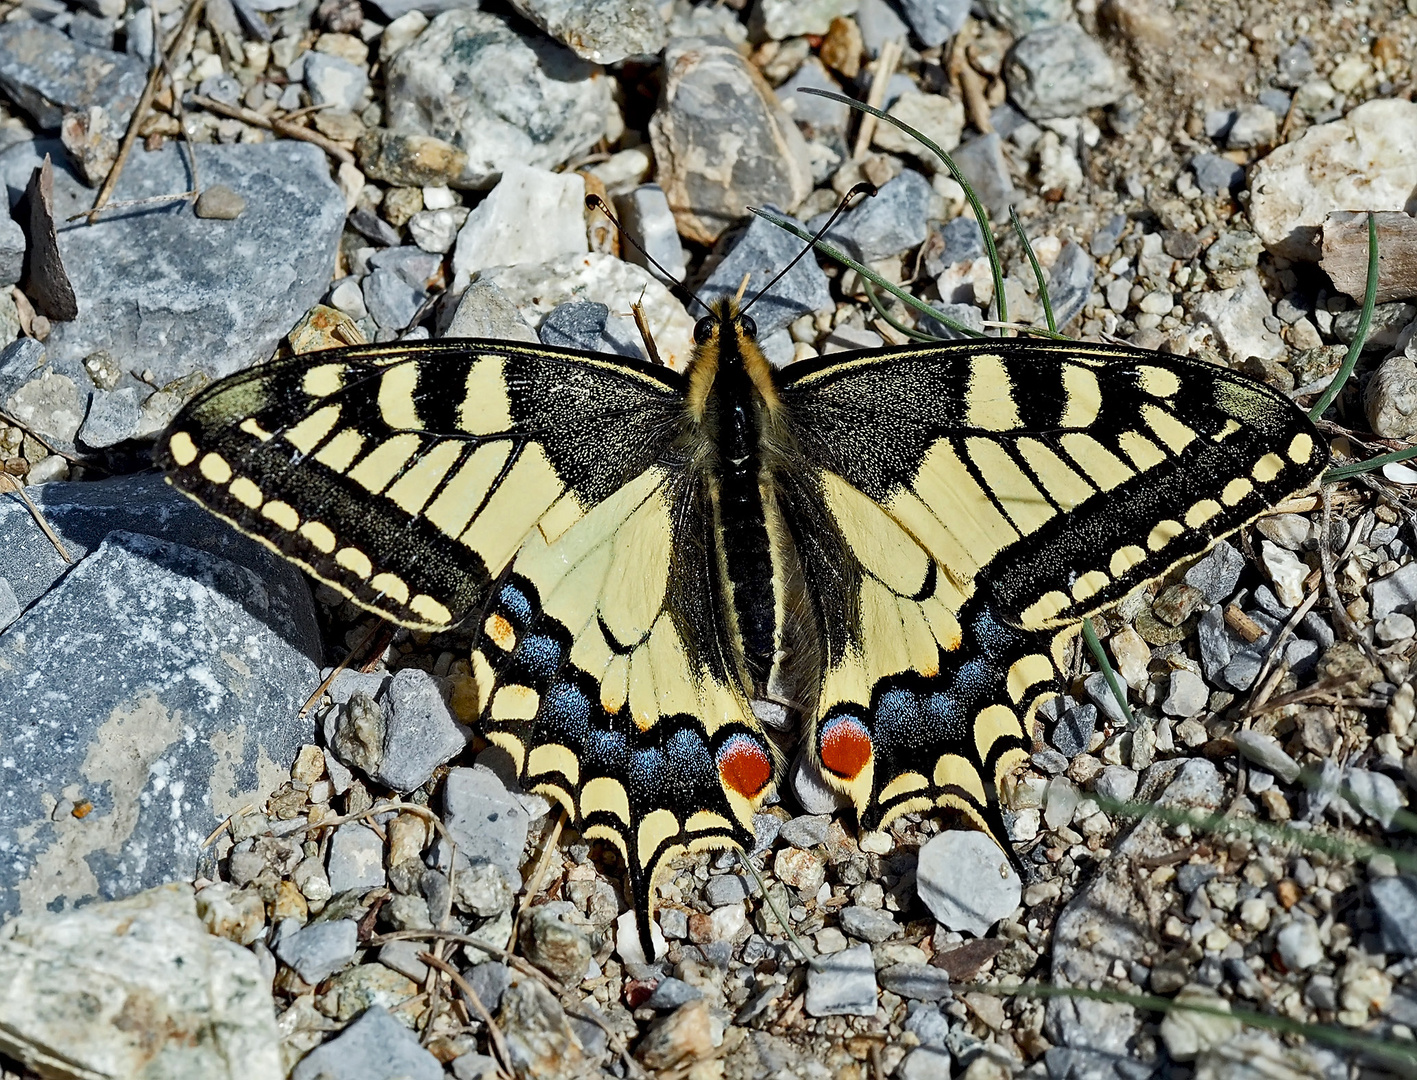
(430, 610)
(1176, 435)
(994, 722)
(321, 537)
(553, 758)
(904, 783)
(1202, 512)
(1040, 611)
(1235, 491)
(703, 820)
(1082, 397)
(355, 561)
(1301, 449)
(282, 513)
(245, 491)
(324, 380)
(1267, 468)
(954, 771)
(396, 387)
(339, 453)
(499, 631)
(1163, 533)
(184, 450)
(251, 426)
(311, 431)
(989, 401)
(513, 702)
(1123, 559)
(1089, 584)
(1158, 382)
(391, 585)
(1028, 671)
(657, 827)
(603, 793)
(215, 468)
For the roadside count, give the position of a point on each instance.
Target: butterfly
(898, 545)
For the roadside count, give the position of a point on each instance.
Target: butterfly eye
(703, 330)
(749, 326)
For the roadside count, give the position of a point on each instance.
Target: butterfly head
(727, 362)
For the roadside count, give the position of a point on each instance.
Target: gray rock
(966, 315)
(1050, 761)
(763, 250)
(355, 862)
(891, 222)
(556, 942)
(806, 831)
(601, 32)
(577, 325)
(1396, 901)
(1104, 239)
(317, 951)
(966, 881)
(918, 982)
(501, 96)
(155, 985)
(844, 984)
(812, 792)
(223, 88)
(645, 216)
(983, 164)
(1023, 16)
(539, 1036)
(955, 241)
(392, 301)
(1073, 733)
(48, 74)
(879, 23)
(1298, 944)
(1187, 694)
(223, 292)
(12, 252)
(177, 669)
(335, 82)
(113, 417)
(420, 733)
(402, 956)
(1116, 782)
(1106, 920)
(1191, 876)
(1376, 794)
(1070, 283)
(372, 227)
(671, 993)
(1061, 71)
(374, 1047)
(817, 116)
(724, 889)
(1214, 641)
(1396, 592)
(1217, 573)
(928, 1025)
(487, 821)
(721, 140)
(393, 9)
(868, 924)
(485, 312)
(1099, 692)
(924, 1063)
(9, 604)
(436, 231)
(935, 21)
(490, 980)
(1265, 751)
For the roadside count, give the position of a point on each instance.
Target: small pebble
(220, 202)
(966, 881)
(845, 984)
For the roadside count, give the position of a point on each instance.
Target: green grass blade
(1365, 321)
(837, 255)
(1037, 270)
(1000, 303)
(1358, 468)
(1089, 635)
(895, 324)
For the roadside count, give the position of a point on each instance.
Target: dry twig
(494, 1033)
(280, 127)
(9, 485)
(880, 81)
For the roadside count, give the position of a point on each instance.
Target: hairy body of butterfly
(898, 544)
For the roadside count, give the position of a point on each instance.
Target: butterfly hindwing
(406, 475)
(1043, 480)
(606, 684)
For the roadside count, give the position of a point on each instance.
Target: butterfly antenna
(863, 188)
(677, 287)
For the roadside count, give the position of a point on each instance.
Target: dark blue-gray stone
(958, 239)
(372, 227)
(818, 115)
(1216, 175)
(1073, 733)
(1070, 283)
(892, 221)
(935, 21)
(1061, 71)
(157, 678)
(671, 993)
(47, 73)
(1396, 901)
(165, 291)
(374, 1047)
(965, 314)
(763, 250)
(391, 300)
(983, 164)
(577, 325)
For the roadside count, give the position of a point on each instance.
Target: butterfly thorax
(738, 425)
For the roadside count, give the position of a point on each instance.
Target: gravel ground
(401, 169)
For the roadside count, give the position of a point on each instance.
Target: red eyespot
(744, 766)
(846, 747)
